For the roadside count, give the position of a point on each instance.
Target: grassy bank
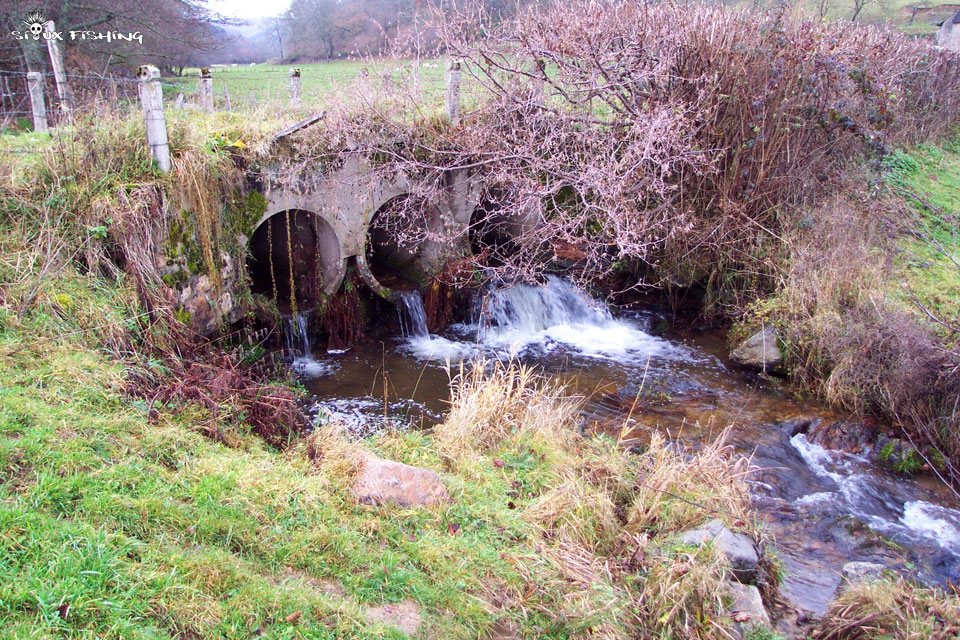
(121, 518)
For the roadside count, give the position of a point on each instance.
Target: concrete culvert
(495, 227)
(294, 257)
(397, 244)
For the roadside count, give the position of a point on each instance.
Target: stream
(822, 508)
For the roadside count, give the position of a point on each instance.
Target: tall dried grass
(605, 517)
(891, 609)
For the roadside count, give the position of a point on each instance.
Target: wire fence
(421, 84)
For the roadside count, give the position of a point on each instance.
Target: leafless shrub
(685, 138)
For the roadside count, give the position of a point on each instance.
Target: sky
(248, 9)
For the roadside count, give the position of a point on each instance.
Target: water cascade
(296, 337)
(296, 342)
(413, 318)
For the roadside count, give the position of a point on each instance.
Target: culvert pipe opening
(293, 257)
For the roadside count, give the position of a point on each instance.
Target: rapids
(823, 508)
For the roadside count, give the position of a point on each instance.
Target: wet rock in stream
(759, 351)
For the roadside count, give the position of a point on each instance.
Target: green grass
(320, 81)
(115, 525)
(930, 176)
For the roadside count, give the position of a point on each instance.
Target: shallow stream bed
(823, 508)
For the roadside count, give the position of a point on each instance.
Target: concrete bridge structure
(309, 228)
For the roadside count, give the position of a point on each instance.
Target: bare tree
(858, 7)
(278, 31)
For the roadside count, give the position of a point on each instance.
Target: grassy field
(320, 81)
(929, 177)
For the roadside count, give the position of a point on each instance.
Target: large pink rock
(382, 481)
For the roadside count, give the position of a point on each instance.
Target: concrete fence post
(453, 91)
(226, 97)
(35, 84)
(295, 87)
(178, 103)
(151, 101)
(206, 90)
(59, 71)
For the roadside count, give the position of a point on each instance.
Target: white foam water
(413, 317)
(307, 366)
(933, 521)
(866, 497)
(542, 318)
(296, 338)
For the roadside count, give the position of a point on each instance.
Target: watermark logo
(38, 27)
(34, 21)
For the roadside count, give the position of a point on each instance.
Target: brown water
(822, 508)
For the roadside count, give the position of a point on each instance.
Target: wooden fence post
(35, 84)
(295, 87)
(453, 92)
(59, 71)
(151, 101)
(206, 90)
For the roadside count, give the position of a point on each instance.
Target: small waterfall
(538, 318)
(296, 343)
(413, 318)
(296, 337)
(528, 309)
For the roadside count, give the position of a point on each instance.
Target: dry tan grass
(496, 401)
(895, 610)
(678, 491)
(682, 595)
(334, 453)
(606, 519)
(576, 512)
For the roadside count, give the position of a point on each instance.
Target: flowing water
(823, 508)
(413, 318)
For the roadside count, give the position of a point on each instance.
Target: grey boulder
(736, 547)
(759, 351)
(747, 608)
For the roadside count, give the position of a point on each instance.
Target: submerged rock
(759, 351)
(856, 572)
(385, 481)
(746, 607)
(738, 548)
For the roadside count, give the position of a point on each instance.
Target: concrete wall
(346, 199)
